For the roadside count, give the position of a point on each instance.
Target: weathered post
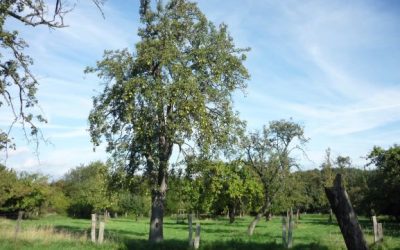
(375, 226)
(290, 231)
(330, 220)
(93, 231)
(101, 232)
(197, 237)
(284, 231)
(18, 225)
(105, 215)
(345, 215)
(380, 232)
(190, 218)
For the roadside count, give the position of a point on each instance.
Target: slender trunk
(253, 224)
(261, 213)
(232, 212)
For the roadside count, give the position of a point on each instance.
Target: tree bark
(157, 215)
(347, 219)
(158, 197)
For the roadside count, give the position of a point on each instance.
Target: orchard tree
(175, 89)
(217, 187)
(384, 186)
(87, 188)
(269, 154)
(18, 85)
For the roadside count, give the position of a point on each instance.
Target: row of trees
(209, 187)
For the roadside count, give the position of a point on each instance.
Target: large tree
(175, 89)
(269, 153)
(18, 85)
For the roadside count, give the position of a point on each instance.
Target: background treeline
(206, 187)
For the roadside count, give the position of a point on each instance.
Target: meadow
(59, 232)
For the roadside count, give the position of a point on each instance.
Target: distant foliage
(384, 185)
(27, 192)
(86, 187)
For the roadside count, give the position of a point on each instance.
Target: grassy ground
(57, 232)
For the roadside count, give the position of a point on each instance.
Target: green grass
(58, 232)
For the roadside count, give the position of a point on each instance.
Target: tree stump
(345, 215)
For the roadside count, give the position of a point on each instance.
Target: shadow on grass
(217, 245)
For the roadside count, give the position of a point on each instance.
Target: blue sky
(332, 66)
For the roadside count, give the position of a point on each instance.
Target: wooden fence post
(330, 220)
(106, 215)
(380, 232)
(290, 231)
(190, 218)
(375, 226)
(197, 236)
(18, 225)
(93, 231)
(345, 215)
(101, 232)
(284, 225)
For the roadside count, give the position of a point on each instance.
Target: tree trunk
(347, 219)
(159, 192)
(232, 212)
(157, 216)
(253, 224)
(157, 212)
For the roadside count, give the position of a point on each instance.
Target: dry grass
(46, 234)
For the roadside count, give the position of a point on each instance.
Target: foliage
(384, 187)
(87, 189)
(217, 187)
(23, 191)
(269, 154)
(8, 178)
(18, 85)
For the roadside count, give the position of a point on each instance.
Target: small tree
(87, 188)
(174, 90)
(268, 153)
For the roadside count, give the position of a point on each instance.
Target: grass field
(58, 232)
